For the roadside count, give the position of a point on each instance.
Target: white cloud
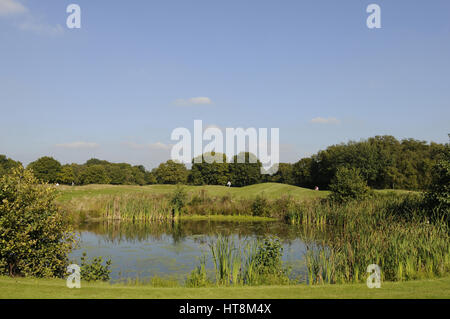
(201, 100)
(9, 7)
(322, 120)
(78, 145)
(40, 28)
(26, 20)
(154, 146)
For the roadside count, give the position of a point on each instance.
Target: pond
(173, 249)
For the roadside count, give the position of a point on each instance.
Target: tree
(171, 172)
(35, 239)
(46, 169)
(245, 169)
(6, 164)
(94, 174)
(438, 195)
(383, 161)
(301, 173)
(348, 184)
(284, 174)
(67, 175)
(150, 178)
(213, 169)
(138, 175)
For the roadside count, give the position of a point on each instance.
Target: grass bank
(270, 190)
(27, 288)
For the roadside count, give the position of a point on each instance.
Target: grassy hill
(270, 190)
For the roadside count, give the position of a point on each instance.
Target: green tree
(245, 169)
(67, 175)
(348, 184)
(35, 239)
(302, 173)
(284, 174)
(46, 169)
(171, 172)
(6, 164)
(138, 175)
(438, 195)
(150, 178)
(209, 169)
(94, 174)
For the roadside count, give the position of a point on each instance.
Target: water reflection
(173, 249)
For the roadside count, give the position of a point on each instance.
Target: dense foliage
(245, 169)
(171, 172)
(34, 237)
(210, 169)
(46, 169)
(348, 184)
(438, 196)
(383, 162)
(94, 171)
(94, 270)
(6, 164)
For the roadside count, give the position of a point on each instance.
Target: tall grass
(148, 207)
(390, 230)
(253, 262)
(393, 233)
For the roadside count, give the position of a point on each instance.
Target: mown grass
(271, 190)
(28, 288)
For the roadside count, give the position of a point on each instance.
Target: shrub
(260, 207)
(94, 270)
(34, 237)
(178, 198)
(438, 196)
(348, 184)
(268, 256)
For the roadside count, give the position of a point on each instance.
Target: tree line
(383, 161)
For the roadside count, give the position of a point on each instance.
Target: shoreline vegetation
(388, 228)
(405, 233)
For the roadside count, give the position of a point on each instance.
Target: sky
(117, 87)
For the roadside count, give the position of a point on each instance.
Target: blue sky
(116, 88)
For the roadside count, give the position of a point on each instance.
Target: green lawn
(270, 190)
(56, 288)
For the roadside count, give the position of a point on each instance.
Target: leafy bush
(348, 184)
(178, 198)
(268, 255)
(34, 237)
(260, 207)
(94, 270)
(438, 196)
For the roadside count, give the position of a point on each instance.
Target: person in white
(229, 184)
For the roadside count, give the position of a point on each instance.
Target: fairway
(25, 288)
(269, 190)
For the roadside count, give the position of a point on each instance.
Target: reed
(393, 233)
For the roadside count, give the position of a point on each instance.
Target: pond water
(173, 250)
